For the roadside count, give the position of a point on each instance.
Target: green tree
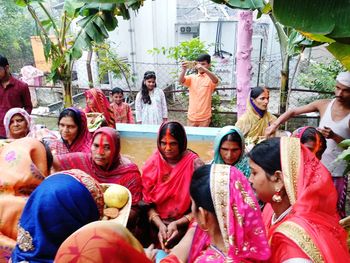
(94, 20)
(16, 28)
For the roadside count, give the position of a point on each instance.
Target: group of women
(195, 212)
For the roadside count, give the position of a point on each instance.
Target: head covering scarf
(100, 104)
(12, 112)
(298, 133)
(99, 242)
(239, 219)
(242, 163)
(344, 78)
(313, 223)
(81, 143)
(254, 121)
(62, 204)
(119, 170)
(165, 185)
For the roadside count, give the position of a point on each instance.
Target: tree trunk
(284, 85)
(67, 93)
(88, 68)
(244, 66)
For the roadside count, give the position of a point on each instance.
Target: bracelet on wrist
(188, 217)
(152, 216)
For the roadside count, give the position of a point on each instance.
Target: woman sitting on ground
(301, 216)
(229, 148)
(225, 206)
(115, 245)
(96, 101)
(105, 164)
(256, 118)
(62, 204)
(75, 137)
(24, 164)
(312, 139)
(166, 177)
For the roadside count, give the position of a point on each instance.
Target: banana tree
(61, 45)
(313, 28)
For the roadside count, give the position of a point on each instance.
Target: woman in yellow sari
(24, 164)
(256, 118)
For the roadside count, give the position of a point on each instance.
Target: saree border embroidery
(298, 235)
(290, 147)
(219, 184)
(24, 240)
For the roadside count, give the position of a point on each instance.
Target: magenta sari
(239, 219)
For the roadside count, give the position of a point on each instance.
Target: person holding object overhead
(201, 87)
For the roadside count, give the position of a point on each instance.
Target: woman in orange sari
(24, 164)
(99, 242)
(166, 178)
(96, 101)
(301, 216)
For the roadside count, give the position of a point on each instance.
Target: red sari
(81, 143)
(311, 230)
(99, 103)
(120, 170)
(168, 187)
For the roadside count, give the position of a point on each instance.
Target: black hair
(49, 156)
(256, 91)
(177, 131)
(74, 115)
(204, 57)
(117, 90)
(232, 137)
(3, 61)
(144, 90)
(267, 155)
(200, 188)
(310, 134)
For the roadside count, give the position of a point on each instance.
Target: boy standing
(122, 110)
(201, 87)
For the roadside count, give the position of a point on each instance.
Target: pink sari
(239, 219)
(82, 142)
(99, 103)
(311, 230)
(120, 170)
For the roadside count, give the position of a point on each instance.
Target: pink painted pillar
(244, 65)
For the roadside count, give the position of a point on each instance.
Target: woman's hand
(162, 235)
(171, 231)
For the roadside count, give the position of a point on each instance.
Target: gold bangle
(153, 216)
(188, 217)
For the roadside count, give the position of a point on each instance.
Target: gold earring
(277, 197)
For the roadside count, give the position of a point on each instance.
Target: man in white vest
(334, 125)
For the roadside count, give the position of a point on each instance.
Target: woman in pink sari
(300, 215)
(75, 137)
(96, 101)
(166, 177)
(105, 164)
(226, 208)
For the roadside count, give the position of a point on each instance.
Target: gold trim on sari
(219, 188)
(299, 236)
(290, 161)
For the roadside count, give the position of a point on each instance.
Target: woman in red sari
(96, 101)
(75, 137)
(166, 178)
(106, 165)
(301, 216)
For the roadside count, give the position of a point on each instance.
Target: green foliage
(217, 120)
(16, 28)
(187, 50)
(242, 4)
(109, 61)
(320, 77)
(345, 155)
